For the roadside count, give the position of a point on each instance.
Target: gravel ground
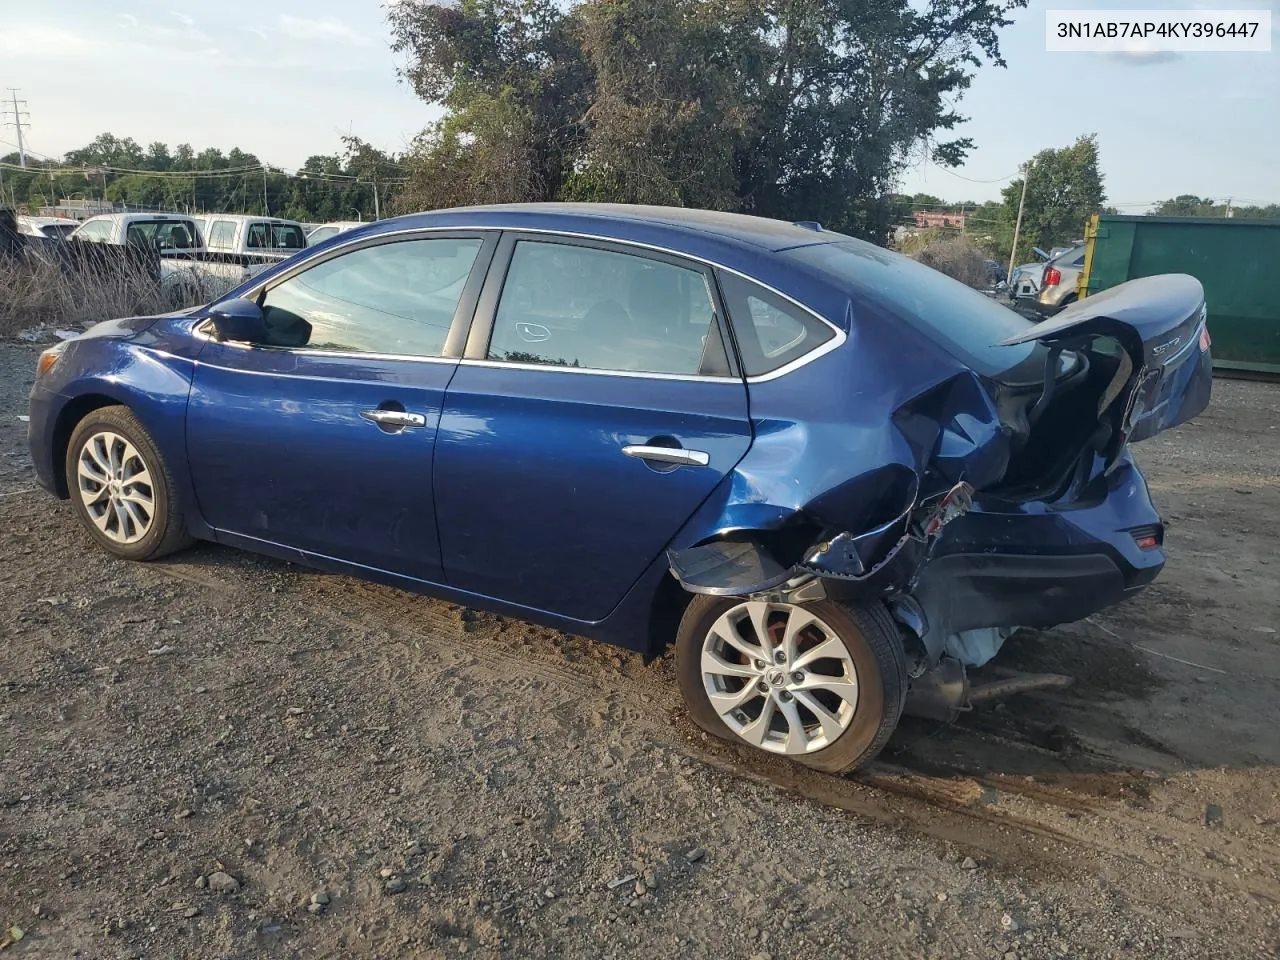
(226, 756)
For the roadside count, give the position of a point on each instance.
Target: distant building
(932, 220)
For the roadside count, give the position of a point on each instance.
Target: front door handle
(673, 455)
(394, 418)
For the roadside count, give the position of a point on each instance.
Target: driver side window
(394, 298)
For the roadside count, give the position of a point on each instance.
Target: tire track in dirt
(1023, 825)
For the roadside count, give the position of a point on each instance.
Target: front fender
(98, 371)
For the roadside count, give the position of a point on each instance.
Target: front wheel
(121, 488)
(822, 683)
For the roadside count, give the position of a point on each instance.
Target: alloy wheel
(779, 677)
(115, 486)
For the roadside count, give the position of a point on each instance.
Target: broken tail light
(1205, 339)
(1052, 276)
(1147, 538)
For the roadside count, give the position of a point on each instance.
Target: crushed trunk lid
(1159, 322)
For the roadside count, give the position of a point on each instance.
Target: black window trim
(462, 314)
(476, 352)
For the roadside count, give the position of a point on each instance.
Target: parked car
(995, 275)
(832, 476)
(260, 239)
(54, 228)
(1024, 282)
(1058, 281)
(326, 230)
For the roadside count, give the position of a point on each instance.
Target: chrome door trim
(552, 368)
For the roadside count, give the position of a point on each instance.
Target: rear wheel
(822, 683)
(121, 488)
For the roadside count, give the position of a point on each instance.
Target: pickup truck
(202, 271)
(260, 240)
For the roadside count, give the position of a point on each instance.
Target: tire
(870, 649)
(136, 487)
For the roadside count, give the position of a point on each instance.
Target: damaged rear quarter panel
(851, 440)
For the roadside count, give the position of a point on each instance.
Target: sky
(285, 79)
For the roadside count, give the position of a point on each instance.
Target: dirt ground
(459, 784)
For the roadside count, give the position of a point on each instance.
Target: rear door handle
(394, 418)
(675, 455)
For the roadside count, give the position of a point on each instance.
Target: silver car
(1058, 281)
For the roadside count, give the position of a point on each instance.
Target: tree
(800, 109)
(1064, 189)
(666, 115)
(210, 180)
(510, 71)
(1189, 205)
(1184, 205)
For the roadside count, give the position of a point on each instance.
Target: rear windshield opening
(963, 321)
(162, 234)
(275, 236)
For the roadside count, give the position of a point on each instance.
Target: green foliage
(1189, 205)
(336, 187)
(1064, 189)
(798, 109)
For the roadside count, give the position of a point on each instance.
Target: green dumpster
(1237, 261)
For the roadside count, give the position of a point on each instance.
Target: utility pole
(1017, 227)
(266, 205)
(377, 210)
(17, 122)
(1228, 211)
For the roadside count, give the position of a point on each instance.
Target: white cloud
(328, 29)
(162, 36)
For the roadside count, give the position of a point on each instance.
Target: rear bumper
(1037, 565)
(1050, 308)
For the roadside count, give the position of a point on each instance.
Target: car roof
(616, 220)
(46, 221)
(137, 215)
(242, 217)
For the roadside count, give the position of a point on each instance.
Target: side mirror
(240, 320)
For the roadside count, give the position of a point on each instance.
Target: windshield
(959, 318)
(275, 236)
(59, 231)
(162, 234)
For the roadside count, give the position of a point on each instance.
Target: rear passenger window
(771, 330)
(222, 234)
(394, 298)
(573, 306)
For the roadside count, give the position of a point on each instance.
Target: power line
(970, 179)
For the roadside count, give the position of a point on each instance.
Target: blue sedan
(832, 477)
